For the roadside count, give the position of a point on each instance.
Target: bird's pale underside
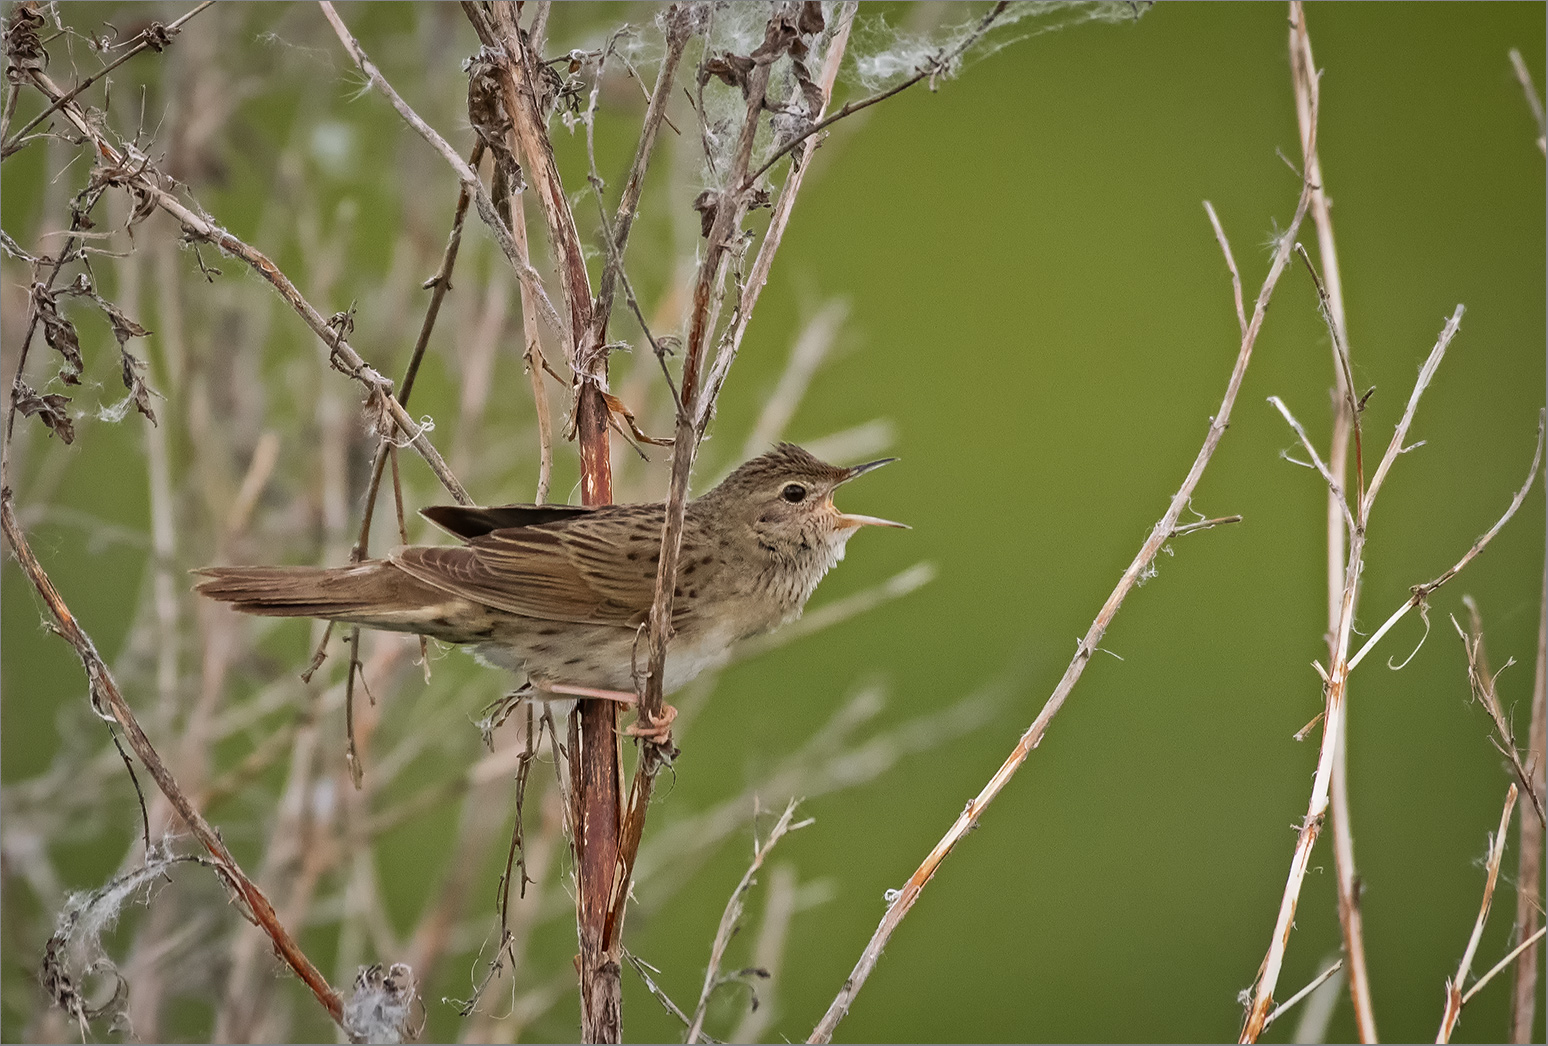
(559, 594)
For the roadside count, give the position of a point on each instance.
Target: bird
(561, 594)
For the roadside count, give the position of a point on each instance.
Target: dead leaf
(617, 407)
(52, 409)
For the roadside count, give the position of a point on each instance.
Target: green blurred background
(1037, 305)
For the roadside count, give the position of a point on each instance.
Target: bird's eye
(793, 493)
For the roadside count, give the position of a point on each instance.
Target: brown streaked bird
(558, 593)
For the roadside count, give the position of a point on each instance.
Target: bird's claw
(657, 731)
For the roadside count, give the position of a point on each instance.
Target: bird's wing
(468, 522)
(569, 570)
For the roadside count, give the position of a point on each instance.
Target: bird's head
(786, 497)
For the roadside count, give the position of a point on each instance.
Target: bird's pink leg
(659, 731)
(623, 697)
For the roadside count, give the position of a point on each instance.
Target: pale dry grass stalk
(1336, 676)
(1354, 512)
(779, 908)
(1482, 683)
(1529, 869)
(1534, 103)
(1300, 996)
(730, 919)
(532, 354)
(1454, 985)
(1307, 78)
(806, 356)
(903, 900)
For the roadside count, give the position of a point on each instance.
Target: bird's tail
(374, 593)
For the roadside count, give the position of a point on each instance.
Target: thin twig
(465, 173)
(932, 68)
(1454, 998)
(1400, 433)
(532, 356)
(155, 35)
(679, 19)
(1334, 488)
(732, 915)
(1421, 593)
(108, 700)
(1230, 260)
(147, 181)
(661, 996)
(905, 898)
(1315, 983)
(1481, 681)
(1510, 957)
(1346, 418)
(1204, 524)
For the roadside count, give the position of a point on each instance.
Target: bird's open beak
(869, 466)
(846, 521)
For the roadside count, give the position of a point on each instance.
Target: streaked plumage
(560, 593)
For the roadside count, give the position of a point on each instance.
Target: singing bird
(559, 593)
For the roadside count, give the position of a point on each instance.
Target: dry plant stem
(1535, 103)
(1529, 873)
(696, 404)
(109, 701)
(11, 96)
(728, 216)
(1334, 689)
(935, 67)
(596, 775)
(465, 173)
(1159, 534)
(1421, 593)
(141, 43)
(655, 989)
(1307, 106)
(1481, 682)
(440, 283)
(1510, 957)
(1454, 987)
(201, 227)
(1315, 983)
(532, 353)
(757, 277)
(679, 25)
(732, 915)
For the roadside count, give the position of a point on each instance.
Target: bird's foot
(657, 731)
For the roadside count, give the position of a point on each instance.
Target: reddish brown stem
(596, 774)
(107, 697)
